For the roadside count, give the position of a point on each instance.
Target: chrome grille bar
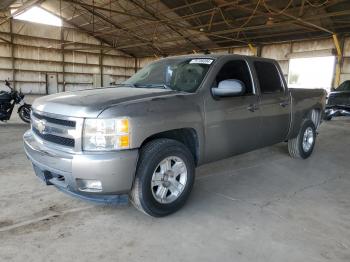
(57, 131)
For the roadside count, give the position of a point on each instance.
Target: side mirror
(332, 89)
(229, 87)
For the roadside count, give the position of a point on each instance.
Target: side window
(236, 69)
(345, 86)
(269, 77)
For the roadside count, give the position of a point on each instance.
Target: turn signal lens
(123, 141)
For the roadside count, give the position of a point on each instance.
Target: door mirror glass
(229, 87)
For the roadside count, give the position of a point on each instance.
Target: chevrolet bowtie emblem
(41, 126)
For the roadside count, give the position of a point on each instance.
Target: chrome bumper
(115, 170)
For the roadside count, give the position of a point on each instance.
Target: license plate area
(44, 176)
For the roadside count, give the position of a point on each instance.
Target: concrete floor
(260, 206)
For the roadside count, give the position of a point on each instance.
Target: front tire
(164, 177)
(303, 145)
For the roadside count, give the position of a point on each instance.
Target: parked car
(144, 138)
(338, 102)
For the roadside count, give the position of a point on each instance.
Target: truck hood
(90, 103)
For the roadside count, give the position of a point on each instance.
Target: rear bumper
(115, 170)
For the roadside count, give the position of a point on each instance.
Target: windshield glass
(181, 74)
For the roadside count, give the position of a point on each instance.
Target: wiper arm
(126, 84)
(165, 86)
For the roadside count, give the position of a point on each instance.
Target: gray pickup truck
(142, 140)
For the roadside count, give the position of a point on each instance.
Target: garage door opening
(314, 72)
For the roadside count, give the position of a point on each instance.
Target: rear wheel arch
(315, 116)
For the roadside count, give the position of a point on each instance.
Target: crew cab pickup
(142, 139)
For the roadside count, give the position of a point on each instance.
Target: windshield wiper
(164, 86)
(126, 84)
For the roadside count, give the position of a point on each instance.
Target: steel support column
(339, 50)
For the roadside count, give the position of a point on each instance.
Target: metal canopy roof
(166, 27)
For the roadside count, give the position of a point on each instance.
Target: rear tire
(327, 118)
(164, 177)
(303, 145)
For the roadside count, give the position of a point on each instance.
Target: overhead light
(270, 21)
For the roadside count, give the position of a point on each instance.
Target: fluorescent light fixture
(38, 15)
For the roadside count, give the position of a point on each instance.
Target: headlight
(106, 134)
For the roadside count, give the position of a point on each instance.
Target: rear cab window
(269, 78)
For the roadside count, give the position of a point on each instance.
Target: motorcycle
(8, 100)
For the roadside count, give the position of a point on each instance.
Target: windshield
(181, 74)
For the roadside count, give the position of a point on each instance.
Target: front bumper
(115, 170)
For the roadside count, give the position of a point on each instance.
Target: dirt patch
(6, 223)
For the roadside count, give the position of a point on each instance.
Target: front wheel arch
(187, 136)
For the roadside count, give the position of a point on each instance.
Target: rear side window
(269, 77)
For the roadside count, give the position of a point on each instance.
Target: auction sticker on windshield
(201, 61)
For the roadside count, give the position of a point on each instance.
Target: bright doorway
(315, 72)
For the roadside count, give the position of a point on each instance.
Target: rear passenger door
(274, 103)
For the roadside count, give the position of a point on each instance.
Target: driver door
(232, 123)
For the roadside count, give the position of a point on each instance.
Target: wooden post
(12, 55)
(63, 61)
(136, 67)
(63, 53)
(101, 65)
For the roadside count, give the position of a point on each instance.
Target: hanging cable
(246, 22)
(279, 12)
(316, 5)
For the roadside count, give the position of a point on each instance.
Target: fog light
(89, 185)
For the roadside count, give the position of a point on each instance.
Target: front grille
(58, 130)
(69, 142)
(55, 120)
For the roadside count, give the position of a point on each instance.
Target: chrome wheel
(308, 139)
(169, 180)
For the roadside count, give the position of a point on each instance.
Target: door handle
(253, 107)
(284, 103)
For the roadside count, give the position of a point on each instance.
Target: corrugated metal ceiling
(165, 27)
